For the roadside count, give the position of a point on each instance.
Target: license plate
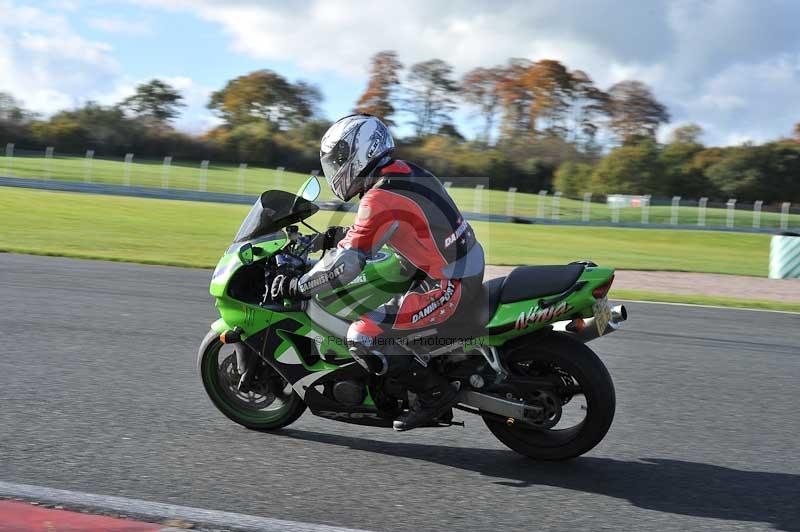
(602, 315)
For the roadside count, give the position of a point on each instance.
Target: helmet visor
(337, 164)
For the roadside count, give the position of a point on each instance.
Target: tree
(516, 99)
(449, 130)
(588, 106)
(430, 90)
(154, 100)
(768, 172)
(629, 169)
(384, 79)
(11, 109)
(573, 179)
(681, 176)
(481, 88)
(547, 99)
(265, 95)
(551, 87)
(797, 132)
(687, 134)
(634, 111)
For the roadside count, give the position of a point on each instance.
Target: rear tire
(265, 418)
(596, 385)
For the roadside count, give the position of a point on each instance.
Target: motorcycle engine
(350, 393)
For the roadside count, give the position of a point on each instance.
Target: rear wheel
(578, 412)
(269, 404)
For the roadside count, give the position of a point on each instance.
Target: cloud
(138, 28)
(46, 64)
(708, 60)
(64, 5)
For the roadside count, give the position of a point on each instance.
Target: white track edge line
(162, 511)
(703, 306)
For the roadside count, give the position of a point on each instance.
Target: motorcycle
(524, 367)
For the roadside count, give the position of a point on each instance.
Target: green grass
(227, 178)
(639, 295)
(195, 234)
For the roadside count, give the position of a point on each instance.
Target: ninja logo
(541, 316)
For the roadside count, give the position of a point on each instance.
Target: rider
(407, 207)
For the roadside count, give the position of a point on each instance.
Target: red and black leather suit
(424, 226)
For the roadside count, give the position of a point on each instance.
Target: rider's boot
(434, 397)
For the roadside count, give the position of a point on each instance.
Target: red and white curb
(18, 516)
(151, 511)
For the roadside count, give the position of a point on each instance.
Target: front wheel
(581, 407)
(269, 404)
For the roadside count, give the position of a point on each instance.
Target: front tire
(576, 359)
(267, 411)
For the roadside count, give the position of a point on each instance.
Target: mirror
(246, 254)
(310, 189)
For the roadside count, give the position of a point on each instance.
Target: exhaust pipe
(589, 331)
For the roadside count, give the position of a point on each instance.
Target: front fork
(246, 364)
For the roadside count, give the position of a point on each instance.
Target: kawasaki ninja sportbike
(521, 363)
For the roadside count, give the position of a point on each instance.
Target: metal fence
(480, 198)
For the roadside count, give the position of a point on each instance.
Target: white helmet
(350, 150)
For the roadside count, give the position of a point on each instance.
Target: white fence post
(87, 166)
(203, 175)
(279, 177)
(587, 205)
(10, 159)
(127, 174)
(48, 162)
(701, 211)
(166, 167)
(512, 192)
(240, 178)
(676, 204)
(477, 203)
(757, 214)
(785, 215)
(540, 208)
(556, 205)
(646, 209)
(731, 208)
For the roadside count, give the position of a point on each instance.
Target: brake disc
(261, 391)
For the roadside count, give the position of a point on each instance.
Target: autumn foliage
(540, 125)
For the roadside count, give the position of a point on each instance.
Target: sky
(731, 66)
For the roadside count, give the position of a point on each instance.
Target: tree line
(541, 126)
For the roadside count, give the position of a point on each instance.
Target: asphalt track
(99, 394)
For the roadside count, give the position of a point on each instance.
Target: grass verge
(195, 234)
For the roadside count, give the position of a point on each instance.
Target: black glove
(333, 235)
(284, 286)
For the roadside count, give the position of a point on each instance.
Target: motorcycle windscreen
(273, 211)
